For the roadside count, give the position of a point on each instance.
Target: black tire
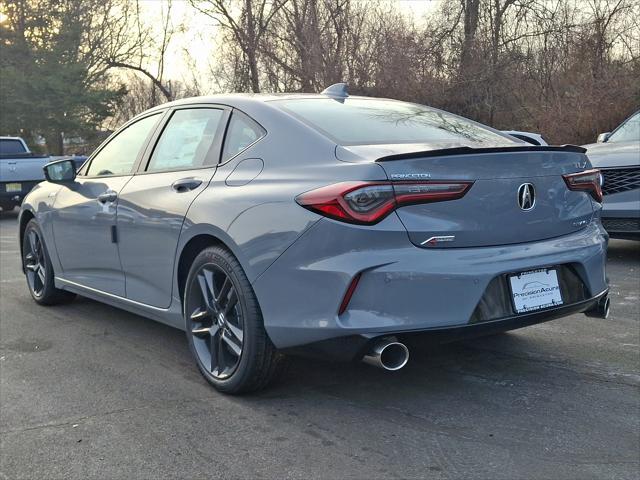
(38, 269)
(224, 325)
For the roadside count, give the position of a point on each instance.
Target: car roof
(231, 98)
(235, 99)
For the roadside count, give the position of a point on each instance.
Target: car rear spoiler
(469, 150)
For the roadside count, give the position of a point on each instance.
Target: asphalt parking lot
(89, 391)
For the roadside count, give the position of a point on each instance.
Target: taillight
(369, 202)
(589, 181)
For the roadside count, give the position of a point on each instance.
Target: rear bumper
(403, 288)
(15, 197)
(353, 347)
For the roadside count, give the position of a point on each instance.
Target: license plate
(535, 290)
(13, 187)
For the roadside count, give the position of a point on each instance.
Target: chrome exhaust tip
(601, 310)
(388, 354)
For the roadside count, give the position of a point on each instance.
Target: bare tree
(565, 68)
(309, 43)
(246, 24)
(141, 47)
(471, 10)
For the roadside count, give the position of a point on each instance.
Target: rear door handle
(186, 184)
(108, 197)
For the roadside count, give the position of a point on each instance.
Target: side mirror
(603, 137)
(61, 171)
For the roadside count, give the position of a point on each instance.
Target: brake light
(369, 202)
(589, 181)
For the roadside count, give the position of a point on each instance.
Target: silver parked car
(318, 224)
(617, 155)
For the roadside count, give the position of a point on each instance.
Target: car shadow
(493, 361)
(432, 368)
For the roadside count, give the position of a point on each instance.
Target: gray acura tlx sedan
(327, 224)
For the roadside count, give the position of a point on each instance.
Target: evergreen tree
(52, 82)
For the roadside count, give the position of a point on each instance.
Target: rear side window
(11, 146)
(119, 156)
(189, 140)
(241, 133)
(358, 121)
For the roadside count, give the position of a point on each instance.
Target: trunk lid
(490, 213)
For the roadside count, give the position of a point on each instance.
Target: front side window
(241, 133)
(188, 140)
(359, 121)
(629, 131)
(119, 156)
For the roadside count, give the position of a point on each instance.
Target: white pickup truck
(20, 170)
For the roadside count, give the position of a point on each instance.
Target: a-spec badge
(433, 241)
(410, 176)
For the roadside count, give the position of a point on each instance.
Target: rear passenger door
(153, 204)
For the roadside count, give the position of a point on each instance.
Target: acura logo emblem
(526, 196)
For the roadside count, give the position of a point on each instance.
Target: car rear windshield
(359, 121)
(9, 146)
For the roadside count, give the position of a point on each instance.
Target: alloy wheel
(34, 263)
(215, 321)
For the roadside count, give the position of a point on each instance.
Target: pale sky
(199, 38)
